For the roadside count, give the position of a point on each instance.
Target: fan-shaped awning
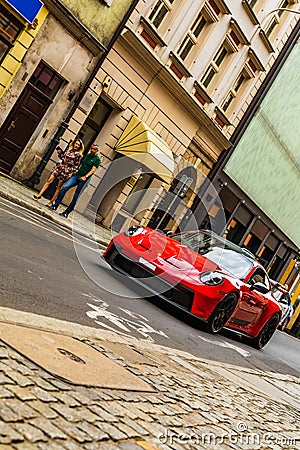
(140, 143)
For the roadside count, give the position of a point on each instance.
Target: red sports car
(202, 273)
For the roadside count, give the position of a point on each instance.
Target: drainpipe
(36, 177)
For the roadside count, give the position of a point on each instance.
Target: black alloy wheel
(266, 332)
(221, 314)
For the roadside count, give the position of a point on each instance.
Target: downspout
(36, 177)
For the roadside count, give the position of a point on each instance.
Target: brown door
(20, 124)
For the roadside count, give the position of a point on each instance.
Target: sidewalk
(64, 386)
(23, 196)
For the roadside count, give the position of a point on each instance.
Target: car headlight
(211, 278)
(134, 230)
(284, 309)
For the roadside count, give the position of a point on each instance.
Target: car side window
(260, 276)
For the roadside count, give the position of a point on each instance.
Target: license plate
(147, 264)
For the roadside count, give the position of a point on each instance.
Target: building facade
(19, 26)
(187, 72)
(163, 105)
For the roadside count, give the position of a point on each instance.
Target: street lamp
(282, 9)
(275, 10)
(265, 18)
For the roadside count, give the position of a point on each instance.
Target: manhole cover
(70, 359)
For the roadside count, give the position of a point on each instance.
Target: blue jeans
(71, 182)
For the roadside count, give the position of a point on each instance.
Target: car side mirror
(259, 287)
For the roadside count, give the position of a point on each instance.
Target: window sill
(220, 118)
(181, 70)
(151, 33)
(257, 62)
(266, 41)
(239, 32)
(201, 91)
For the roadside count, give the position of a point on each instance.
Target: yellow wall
(13, 60)
(297, 310)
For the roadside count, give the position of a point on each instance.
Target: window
(238, 225)
(234, 90)
(234, 40)
(214, 66)
(192, 36)
(276, 18)
(94, 123)
(46, 80)
(10, 28)
(159, 12)
(260, 276)
(252, 3)
(210, 12)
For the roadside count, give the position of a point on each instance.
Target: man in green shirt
(89, 164)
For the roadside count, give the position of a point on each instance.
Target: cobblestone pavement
(197, 404)
(193, 406)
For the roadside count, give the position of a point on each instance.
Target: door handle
(12, 125)
(252, 302)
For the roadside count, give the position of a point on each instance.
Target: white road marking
(227, 345)
(121, 325)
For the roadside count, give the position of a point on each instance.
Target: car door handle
(252, 302)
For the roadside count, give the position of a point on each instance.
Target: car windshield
(225, 254)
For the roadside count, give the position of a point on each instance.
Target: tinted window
(46, 80)
(281, 297)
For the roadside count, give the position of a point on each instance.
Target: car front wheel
(221, 314)
(266, 332)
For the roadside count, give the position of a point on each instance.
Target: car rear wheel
(221, 314)
(266, 332)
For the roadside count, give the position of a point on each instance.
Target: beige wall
(134, 91)
(141, 83)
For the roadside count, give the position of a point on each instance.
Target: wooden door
(20, 125)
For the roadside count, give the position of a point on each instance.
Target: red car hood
(156, 246)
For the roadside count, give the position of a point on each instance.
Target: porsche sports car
(206, 275)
